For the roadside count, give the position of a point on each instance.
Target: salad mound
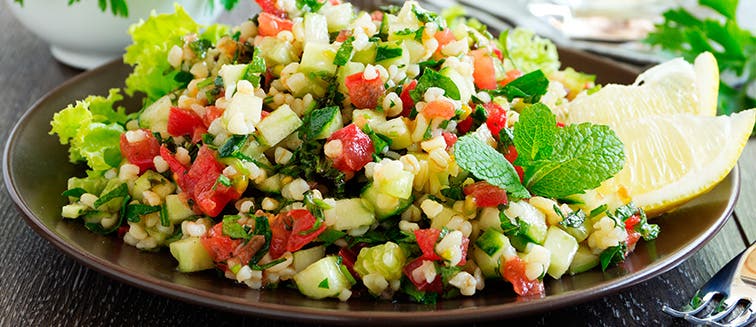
(388, 152)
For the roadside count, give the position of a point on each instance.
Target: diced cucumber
(346, 214)
(395, 129)
(322, 279)
(563, 247)
(537, 260)
(442, 219)
(324, 122)
(338, 16)
(490, 248)
(581, 232)
(366, 55)
(178, 210)
(318, 58)
(315, 30)
(391, 48)
(155, 116)
(489, 218)
(278, 125)
(398, 185)
(384, 205)
(583, 260)
(191, 255)
(113, 205)
(386, 260)
(230, 75)
(304, 258)
(271, 184)
(152, 181)
(534, 218)
(73, 210)
(464, 85)
(276, 51)
(373, 117)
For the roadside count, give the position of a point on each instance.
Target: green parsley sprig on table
(120, 8)
(683, 34)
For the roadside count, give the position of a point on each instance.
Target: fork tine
(746, 317)
(729, 305)
(680, 314)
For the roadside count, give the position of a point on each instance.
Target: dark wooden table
(39, 285)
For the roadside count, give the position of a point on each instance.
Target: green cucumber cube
(563, 248)
(324, 278)
(278, 125)
(191, 255)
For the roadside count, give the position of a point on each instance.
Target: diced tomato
(269, 6)
(280, 229)
(376, 16)
(364, 93)
(356, 148)
(200, 181)
(514, 272)
(264, 114)
(485, 194)
(464, 246)
(498, 53)
(244, 252)
(348, 258)
(343, 35)
(270, 24)
(301, 233)
(484, 74)
(211, 113)
(438, 109)
(465, 125)
(497, 118)
(183, 122)
(560, 124)
(510, 76)
(436, 286)
(219, 246)
(444, 37)
(122, 231)
(426, 240)
(632, 235)
(142, 152)
(407, 102)
(511, 156)
(450, 139)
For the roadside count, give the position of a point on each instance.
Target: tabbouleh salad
(398, 152)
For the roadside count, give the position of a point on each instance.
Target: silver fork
(731, 287)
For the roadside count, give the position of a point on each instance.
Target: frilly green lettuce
(529, 52)
(93, 126)
(148, 54)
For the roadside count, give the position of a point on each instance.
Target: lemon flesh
(672, 87)
(671, 159)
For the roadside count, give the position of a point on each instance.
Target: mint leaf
(535, 134)
(583, 156)
(612, 255)
(344, 52)
(233, 229)
(486, 163)
(530, 87)
(431, 78)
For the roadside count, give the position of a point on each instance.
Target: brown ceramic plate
(36, 169)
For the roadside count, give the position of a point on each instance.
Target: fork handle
(748, 271)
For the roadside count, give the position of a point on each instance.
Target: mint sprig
(579, 158)
(485, 163)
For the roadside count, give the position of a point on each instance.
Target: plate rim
(307, 314)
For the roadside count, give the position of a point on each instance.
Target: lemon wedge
(671, 159)
(671, 87)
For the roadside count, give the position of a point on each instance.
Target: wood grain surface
(40, 286)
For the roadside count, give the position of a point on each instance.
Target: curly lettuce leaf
(528, 52)
(93, 127)
(148, 54)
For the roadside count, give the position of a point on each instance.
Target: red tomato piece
(356, 149)
(450, 139)
(438, 109)
(497, 118)
(464, 246)
(211, 113)
(510, 76)
(511, 156)
(376, 16)
(270, 24)
(484, 74)
(348, 258)
(498, 53)
(465, 125)
(142, 152)
(176, 167)
(269, 6)
(407, 102)
(123, 230)
(632, 235)
(246, 250)
(280, 229)
(485, 194)
(444, 37)
(514, 272)
(301, 233)
(560, 124)
(219, 246)
(364, 93)
(343, 35)
(183, 122)
(436, 286)
(426, 240)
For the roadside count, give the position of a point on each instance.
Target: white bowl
(83, 36)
